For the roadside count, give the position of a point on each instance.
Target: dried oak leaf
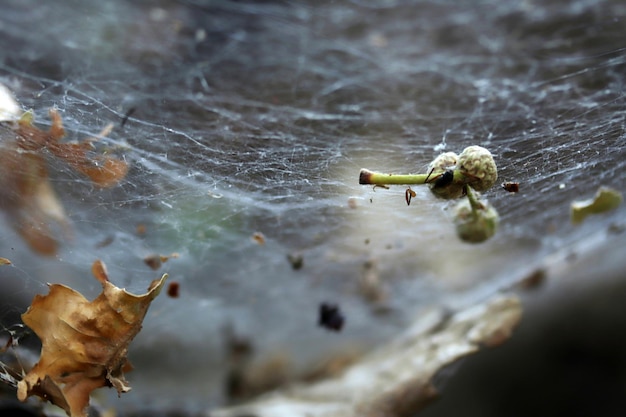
(84, 343)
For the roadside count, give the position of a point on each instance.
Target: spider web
(241, 117)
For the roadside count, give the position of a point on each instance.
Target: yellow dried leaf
(84, 343)
(5, 261)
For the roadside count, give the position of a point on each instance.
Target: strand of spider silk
(378, 178)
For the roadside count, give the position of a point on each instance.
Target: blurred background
(245, 125)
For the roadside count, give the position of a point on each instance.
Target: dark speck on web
(330, 317)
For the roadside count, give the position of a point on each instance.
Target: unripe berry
(475, 226)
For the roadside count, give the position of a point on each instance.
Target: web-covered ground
(239, 118)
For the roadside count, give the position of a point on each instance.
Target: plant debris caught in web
(243, 117)
(606, 199)
(84, 343)
(26, 194)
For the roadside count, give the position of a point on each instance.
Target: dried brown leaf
(26, 194)
(104, 171)
(84, 343)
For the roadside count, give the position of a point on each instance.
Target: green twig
(377, 178)
(474, 202)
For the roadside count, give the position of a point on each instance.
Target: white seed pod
(477, 165)
(441, 184)
(475, 226)
(443, 162)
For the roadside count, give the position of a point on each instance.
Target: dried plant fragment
(258, 238)
(84, 343)
(296, 260)
(156, 261)
(103, 170)
(26, 194)
(141, 229)
(5, 261)
(606, 199)
(370, 285)
(173, 289)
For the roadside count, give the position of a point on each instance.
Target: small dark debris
(127, 115)
(153, 261)
(105, 242)
(331, 317)
(512, 187)
(571, 257)
(173, 289)
(533, 280)
(296, 260)
(617, 228)
(408, 195)
(141, 229)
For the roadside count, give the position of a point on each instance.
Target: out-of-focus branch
(396, 380)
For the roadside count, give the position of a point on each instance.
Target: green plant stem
(378, 178)
(474, 202)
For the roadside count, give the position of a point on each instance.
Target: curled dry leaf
(84, 343)
(26, 194)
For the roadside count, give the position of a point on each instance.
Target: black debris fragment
(331, 317)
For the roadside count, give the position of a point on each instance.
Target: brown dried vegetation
(84, 343)
(26, 194)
